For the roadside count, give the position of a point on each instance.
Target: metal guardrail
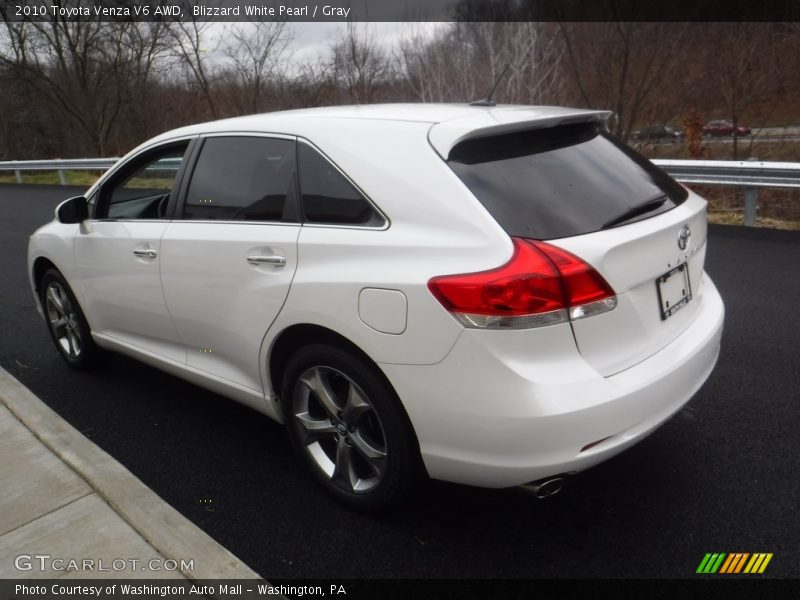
(750, 175)
(743, 173)
(60, 165)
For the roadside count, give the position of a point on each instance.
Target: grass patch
(732, 217)
(83, 178)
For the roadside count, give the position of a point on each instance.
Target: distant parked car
(658, 133)
(723, 127)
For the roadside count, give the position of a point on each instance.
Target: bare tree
(744, 64)
(437, 67)
(313, 84)
(465, 59)
(192, 46)
(20, 106)
(258, 52)
(83, 69)
(622, 66)
(146, 47)
(360, 64)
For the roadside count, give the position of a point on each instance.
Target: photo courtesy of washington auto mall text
(172, 589)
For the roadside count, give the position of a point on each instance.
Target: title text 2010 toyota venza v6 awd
(495, 296)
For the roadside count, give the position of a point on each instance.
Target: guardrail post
(750, 206)
(62, 177)
(750, 202)
(18, 173)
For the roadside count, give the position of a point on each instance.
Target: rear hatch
(579, 189)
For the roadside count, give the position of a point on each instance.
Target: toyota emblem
(683, 237)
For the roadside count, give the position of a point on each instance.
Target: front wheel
(347, 424)
(65, 321)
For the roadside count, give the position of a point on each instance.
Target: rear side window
(562, 181)
(243, 179)
(328, 197)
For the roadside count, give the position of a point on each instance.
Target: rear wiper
(641, 209)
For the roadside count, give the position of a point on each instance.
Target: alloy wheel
(63, 321)
(340, 429)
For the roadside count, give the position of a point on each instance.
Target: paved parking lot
(722, 476)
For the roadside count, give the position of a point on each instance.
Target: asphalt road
(722, 476)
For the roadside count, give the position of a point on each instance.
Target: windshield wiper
(636, 211)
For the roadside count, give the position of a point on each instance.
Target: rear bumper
(499, 413)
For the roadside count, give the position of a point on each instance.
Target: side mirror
(74, 210)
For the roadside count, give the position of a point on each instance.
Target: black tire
(66, 322)
(345, 435)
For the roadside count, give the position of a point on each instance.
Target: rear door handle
(275, 260)
(148, 253)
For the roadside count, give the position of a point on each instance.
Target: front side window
(328, 197)
(243, 179)
(141, 189)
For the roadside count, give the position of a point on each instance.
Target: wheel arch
(40, 266)
(296, 336)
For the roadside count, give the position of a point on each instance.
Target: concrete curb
(163, 527)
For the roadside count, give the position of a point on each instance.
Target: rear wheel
(346, 423)
(66, 322)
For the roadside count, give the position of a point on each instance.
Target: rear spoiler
(506, 119)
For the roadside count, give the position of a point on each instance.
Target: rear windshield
(562, 181)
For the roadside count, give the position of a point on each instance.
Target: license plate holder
(674, 290)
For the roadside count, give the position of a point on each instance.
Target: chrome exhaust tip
(549, 486)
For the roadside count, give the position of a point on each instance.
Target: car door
(228, 258)
(117, 253)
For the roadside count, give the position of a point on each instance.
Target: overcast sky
(312, 40)
(315, 38)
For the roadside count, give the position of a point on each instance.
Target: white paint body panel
(510, 407)
(222, 305)
(121, 293)
(386, 311)
(630, 258)
(491, 408)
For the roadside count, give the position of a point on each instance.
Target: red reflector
(593, 444)
(539, 278)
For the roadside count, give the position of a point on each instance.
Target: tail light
(540, 285)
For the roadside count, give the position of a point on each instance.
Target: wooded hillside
(73, 89)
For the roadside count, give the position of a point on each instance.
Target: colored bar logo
(734, 563)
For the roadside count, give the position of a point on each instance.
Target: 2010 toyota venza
(494, 296)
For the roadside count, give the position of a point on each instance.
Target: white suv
(495, 296)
